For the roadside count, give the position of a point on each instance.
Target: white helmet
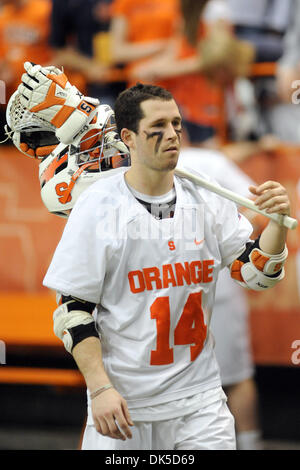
(67, 170)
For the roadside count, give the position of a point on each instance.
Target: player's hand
(111, 415)
(285, 78)
(272, 197)
(46, 92)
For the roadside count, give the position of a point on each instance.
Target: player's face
(159, 134)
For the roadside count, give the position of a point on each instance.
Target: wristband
(100, 390)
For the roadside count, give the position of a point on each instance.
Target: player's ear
(128, 137)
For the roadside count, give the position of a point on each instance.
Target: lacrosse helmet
(69, 170)
(65, 171)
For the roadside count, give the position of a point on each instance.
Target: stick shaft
(281, 219)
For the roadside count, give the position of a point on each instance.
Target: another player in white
(230, 319)
(150, 359)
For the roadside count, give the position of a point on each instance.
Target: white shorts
(211, 428)
(229, 326)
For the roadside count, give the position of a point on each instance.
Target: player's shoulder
(194, 193)
(107, 180)
(108, 189)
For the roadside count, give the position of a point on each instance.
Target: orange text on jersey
(173, 275)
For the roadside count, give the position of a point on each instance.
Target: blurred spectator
(74, 26)
(24, 31)
(263, 23)
(282, 116)
(140, 30)
(273, 29)
(195, 64)
(288, 66)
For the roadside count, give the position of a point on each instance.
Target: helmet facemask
(33, 136)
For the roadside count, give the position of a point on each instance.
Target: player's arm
(124, 51)
(272, 197)
(70, 58)
(108, 406)
(75, 326)
(261, 265)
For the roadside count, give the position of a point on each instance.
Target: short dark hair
(128, 112)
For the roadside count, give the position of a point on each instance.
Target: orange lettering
(62, 190)
(168, 276)
(183, 272)
(141, 286)
(191, 328)
(171, 245)
(160, 311)
(152, 275)
(85, 107)
(196, 277)
(207, 270)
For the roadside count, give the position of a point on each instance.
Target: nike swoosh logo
(198, 243)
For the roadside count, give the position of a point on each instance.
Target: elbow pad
(257, 270)
(73, 321)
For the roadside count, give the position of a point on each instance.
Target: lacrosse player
(144, 248)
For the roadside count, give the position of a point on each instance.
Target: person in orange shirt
(169, 45)
(24, 31)
(204, 59)
(140, 30)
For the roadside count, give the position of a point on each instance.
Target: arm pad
(72, 325)
(258, 270)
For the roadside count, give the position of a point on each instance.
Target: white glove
(46, 92)
(112, 140)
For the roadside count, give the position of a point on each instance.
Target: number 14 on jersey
(190, 329)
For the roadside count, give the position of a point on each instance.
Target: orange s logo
(86, 108)
(171, 245)
(62, 190)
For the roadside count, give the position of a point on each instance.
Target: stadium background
(42, 395)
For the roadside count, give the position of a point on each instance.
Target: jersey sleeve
(233, 231)
(79, 262)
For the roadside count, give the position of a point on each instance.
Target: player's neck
(151, 182)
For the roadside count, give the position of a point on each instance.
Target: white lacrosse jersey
(153, 282)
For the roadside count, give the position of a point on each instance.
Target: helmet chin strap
(67, 192)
